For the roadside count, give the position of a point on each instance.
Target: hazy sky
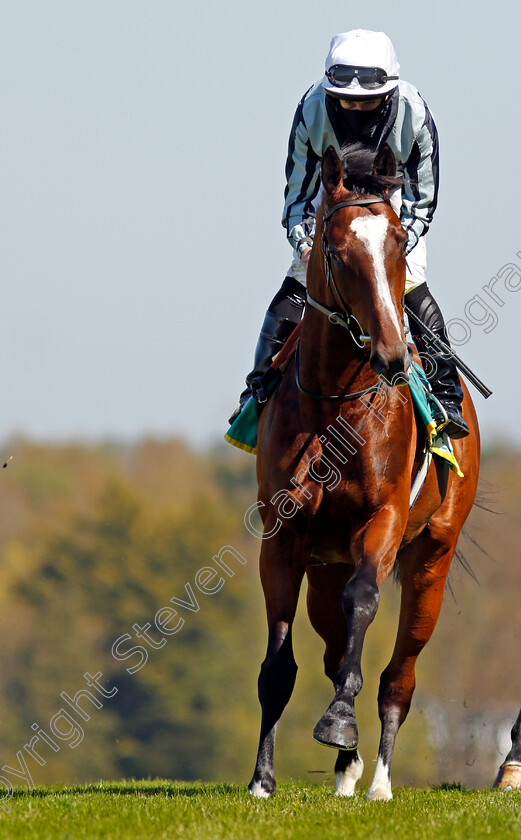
(142, 161)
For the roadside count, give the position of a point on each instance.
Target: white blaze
(371, 231)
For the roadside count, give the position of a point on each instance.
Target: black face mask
(362, 124)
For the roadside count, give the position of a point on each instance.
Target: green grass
(163, 809)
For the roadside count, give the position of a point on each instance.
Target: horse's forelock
(358, 163)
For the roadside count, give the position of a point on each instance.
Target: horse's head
(364, 251)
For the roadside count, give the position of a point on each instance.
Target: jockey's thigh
(416, 261)
(416, 266)
(297, 271)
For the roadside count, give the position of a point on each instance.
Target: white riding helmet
(360, 64)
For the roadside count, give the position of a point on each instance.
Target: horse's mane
(358, 163)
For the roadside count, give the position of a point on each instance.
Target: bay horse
(509, 775)
(334, 474)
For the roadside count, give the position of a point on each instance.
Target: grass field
(163, 809)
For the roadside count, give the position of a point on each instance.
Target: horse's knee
(394, 697)
(277, 676)
(361, 598)
(333, 662)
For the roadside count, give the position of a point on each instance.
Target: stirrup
(453, 424)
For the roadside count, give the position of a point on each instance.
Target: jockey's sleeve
(420, 191)
(302, 182)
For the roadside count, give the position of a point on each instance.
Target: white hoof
(346, 779)
(258, 791)
(380, 790)
(509, 777)
(379, 793)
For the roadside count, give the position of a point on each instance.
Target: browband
(354, 202)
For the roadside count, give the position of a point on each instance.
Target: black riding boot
(283, 315)
(443, 375)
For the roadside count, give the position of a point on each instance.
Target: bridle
(345, 318)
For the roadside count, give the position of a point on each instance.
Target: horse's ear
(332, 175)
(385, 162)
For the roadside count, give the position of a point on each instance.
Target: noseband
(345, 317)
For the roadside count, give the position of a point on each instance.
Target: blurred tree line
(97, 539)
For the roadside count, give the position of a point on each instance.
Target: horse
(509, 774)
(334, 476)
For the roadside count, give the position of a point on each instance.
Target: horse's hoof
(339, 734)
(509, 777)
(379, 793)
(346, 779)
(262, 789)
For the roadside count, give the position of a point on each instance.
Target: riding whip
(460, 364)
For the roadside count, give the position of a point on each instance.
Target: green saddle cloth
(420, 393)
(243, 431)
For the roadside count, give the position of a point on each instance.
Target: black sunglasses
(369, 78)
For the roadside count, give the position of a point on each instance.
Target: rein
(344, 320)
(341, 397)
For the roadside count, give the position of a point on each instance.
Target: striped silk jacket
(405, 123)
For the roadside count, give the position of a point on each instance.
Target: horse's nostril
(377, 363)
(393, 368)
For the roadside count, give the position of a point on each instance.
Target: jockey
(361, 99)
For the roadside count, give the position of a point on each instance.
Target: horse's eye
(335, 256)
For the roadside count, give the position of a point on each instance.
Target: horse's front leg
(324, 599)
(374, 550)
(509, 775)
(281, 578)
(423, 571)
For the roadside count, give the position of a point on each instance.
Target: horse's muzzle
(393, 366)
